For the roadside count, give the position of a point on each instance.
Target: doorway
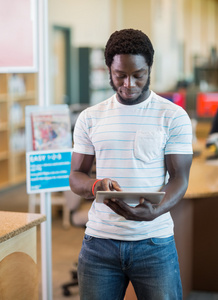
(61, 89)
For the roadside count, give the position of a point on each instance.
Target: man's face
(130, 78)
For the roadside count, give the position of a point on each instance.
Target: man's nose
(129, 82)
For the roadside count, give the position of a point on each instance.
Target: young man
(141, 142)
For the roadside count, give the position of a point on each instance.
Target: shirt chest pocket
(148, 145)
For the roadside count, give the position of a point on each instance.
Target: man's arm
(178, 166)
(80, 181)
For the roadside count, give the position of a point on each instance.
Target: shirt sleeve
(81, 136)
(180, 134)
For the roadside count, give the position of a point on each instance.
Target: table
(18, 259)
(196, 227)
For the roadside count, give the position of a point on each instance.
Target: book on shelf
(51, 130)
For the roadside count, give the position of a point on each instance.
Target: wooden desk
(196, 227)
(18, 268)
(203, 181)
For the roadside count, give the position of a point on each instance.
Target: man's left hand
(144, 211)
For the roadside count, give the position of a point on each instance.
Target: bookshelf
(94, 85)
(16, 91)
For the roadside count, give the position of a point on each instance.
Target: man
(137, 138)
(212, 139)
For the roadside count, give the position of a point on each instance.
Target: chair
(78, 208)
(56, 199)
(73, 282)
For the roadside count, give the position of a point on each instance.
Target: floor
(202, 296)
(66, 245)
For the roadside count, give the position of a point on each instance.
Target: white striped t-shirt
(129, 142)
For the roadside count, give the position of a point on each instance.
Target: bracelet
(93, 187)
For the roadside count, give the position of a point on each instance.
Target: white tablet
(130, 197)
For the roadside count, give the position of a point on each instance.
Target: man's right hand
(107, 184)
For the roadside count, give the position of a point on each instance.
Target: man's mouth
(129, 94)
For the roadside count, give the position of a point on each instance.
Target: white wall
(165, 27)
(179, 29)
(89, 20)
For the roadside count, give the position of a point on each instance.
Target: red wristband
(93, 187)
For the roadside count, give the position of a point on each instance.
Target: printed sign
(48, 171)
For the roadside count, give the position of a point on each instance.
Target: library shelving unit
(94, 85)
(16, 91)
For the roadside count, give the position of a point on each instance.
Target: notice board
(48, 171)
(18, 36)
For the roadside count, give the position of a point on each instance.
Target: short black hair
(128, 41)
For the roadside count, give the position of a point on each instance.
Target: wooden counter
(203, 181)
(196, 227)
(18, 265)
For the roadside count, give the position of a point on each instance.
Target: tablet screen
(130, 197)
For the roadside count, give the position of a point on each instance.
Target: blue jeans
(106, 267)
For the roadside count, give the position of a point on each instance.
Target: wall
(167, 43)
(89, 22)
(88, 19)
(200, 29)
(137, 15)
(179, 29)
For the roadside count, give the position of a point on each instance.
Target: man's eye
(138, 76)
(120, 76)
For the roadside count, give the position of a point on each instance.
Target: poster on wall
(51, 130)
(48, 127)
(18, 36)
